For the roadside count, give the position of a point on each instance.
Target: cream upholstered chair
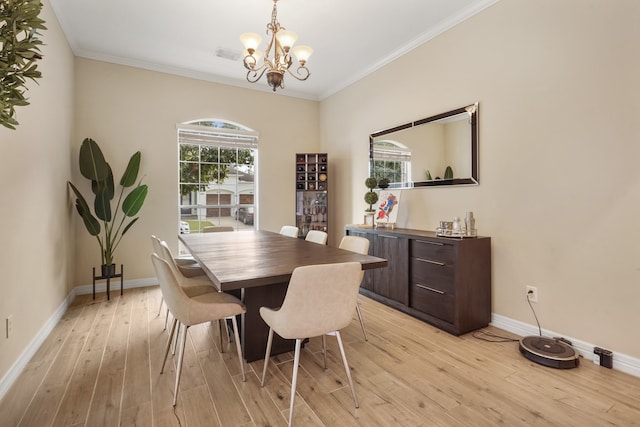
(317, 236)
(216, 228)
(193, 286)
(189, 267)
(320, 300)
(289, 230)
(189, 311)
(360, 245)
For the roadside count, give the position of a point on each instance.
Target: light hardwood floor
(100, 367)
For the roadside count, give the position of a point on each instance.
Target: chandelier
(281, 41)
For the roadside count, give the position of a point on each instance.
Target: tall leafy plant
(95, 168)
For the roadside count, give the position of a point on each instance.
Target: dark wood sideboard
(444, 281)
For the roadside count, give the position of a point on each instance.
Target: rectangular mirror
(437, 150)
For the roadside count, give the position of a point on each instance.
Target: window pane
(245, 157)
(228, 155)
(208, 173)
(189, 152)
(209, 154)
(189, 172)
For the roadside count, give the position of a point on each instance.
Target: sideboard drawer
(433, 301)
(432, 272)
(433, 250)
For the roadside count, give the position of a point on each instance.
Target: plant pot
(108, 270)
(368, 218)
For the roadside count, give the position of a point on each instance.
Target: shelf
(312, 184)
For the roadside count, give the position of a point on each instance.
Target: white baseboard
(621, 362)
(12, 374)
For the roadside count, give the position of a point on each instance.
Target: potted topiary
(94, 167)
(371, 198)
(383, 183)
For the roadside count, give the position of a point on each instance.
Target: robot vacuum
(549, 352)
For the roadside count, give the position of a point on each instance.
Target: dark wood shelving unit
(312, 191)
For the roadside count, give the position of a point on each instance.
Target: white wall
(126, 109)
(559, 193)
(36, 250)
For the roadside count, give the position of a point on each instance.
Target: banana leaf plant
(95, 168)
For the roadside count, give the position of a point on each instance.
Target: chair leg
(226, 328)
(346, 368)
(174, 345)
(183, 339)
(169, 341)
(364, 332)
(160, 308)
(294, 379)
(238, 346)
(266, 356)
(220, 321)
(324, 349)
(166, 319)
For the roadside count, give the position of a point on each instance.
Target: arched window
(392, 161)
(217, 183)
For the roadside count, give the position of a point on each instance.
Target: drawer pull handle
(427, 288)
(388, 237)
(441, 264)
(430, 243)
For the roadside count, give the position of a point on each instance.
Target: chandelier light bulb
(250, 41)
(302, 53)
(286, 39)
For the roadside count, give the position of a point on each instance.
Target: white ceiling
(350, 38)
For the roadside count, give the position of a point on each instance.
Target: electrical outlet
(9, 326)
(532, 293)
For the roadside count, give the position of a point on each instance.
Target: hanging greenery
(19, 51)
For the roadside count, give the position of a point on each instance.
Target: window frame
(223, 135)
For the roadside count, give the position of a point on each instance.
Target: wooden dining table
(256, 266)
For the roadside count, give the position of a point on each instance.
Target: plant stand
(108, 279)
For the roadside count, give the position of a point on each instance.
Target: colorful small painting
(387, 209)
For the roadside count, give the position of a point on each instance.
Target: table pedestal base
(254, 330)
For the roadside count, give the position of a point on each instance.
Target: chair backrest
(165, 253)
(289, 230)
(320, 299)
(317, 236)
(355, 244)
(216, 228)
(175, 298)
(156, 244)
